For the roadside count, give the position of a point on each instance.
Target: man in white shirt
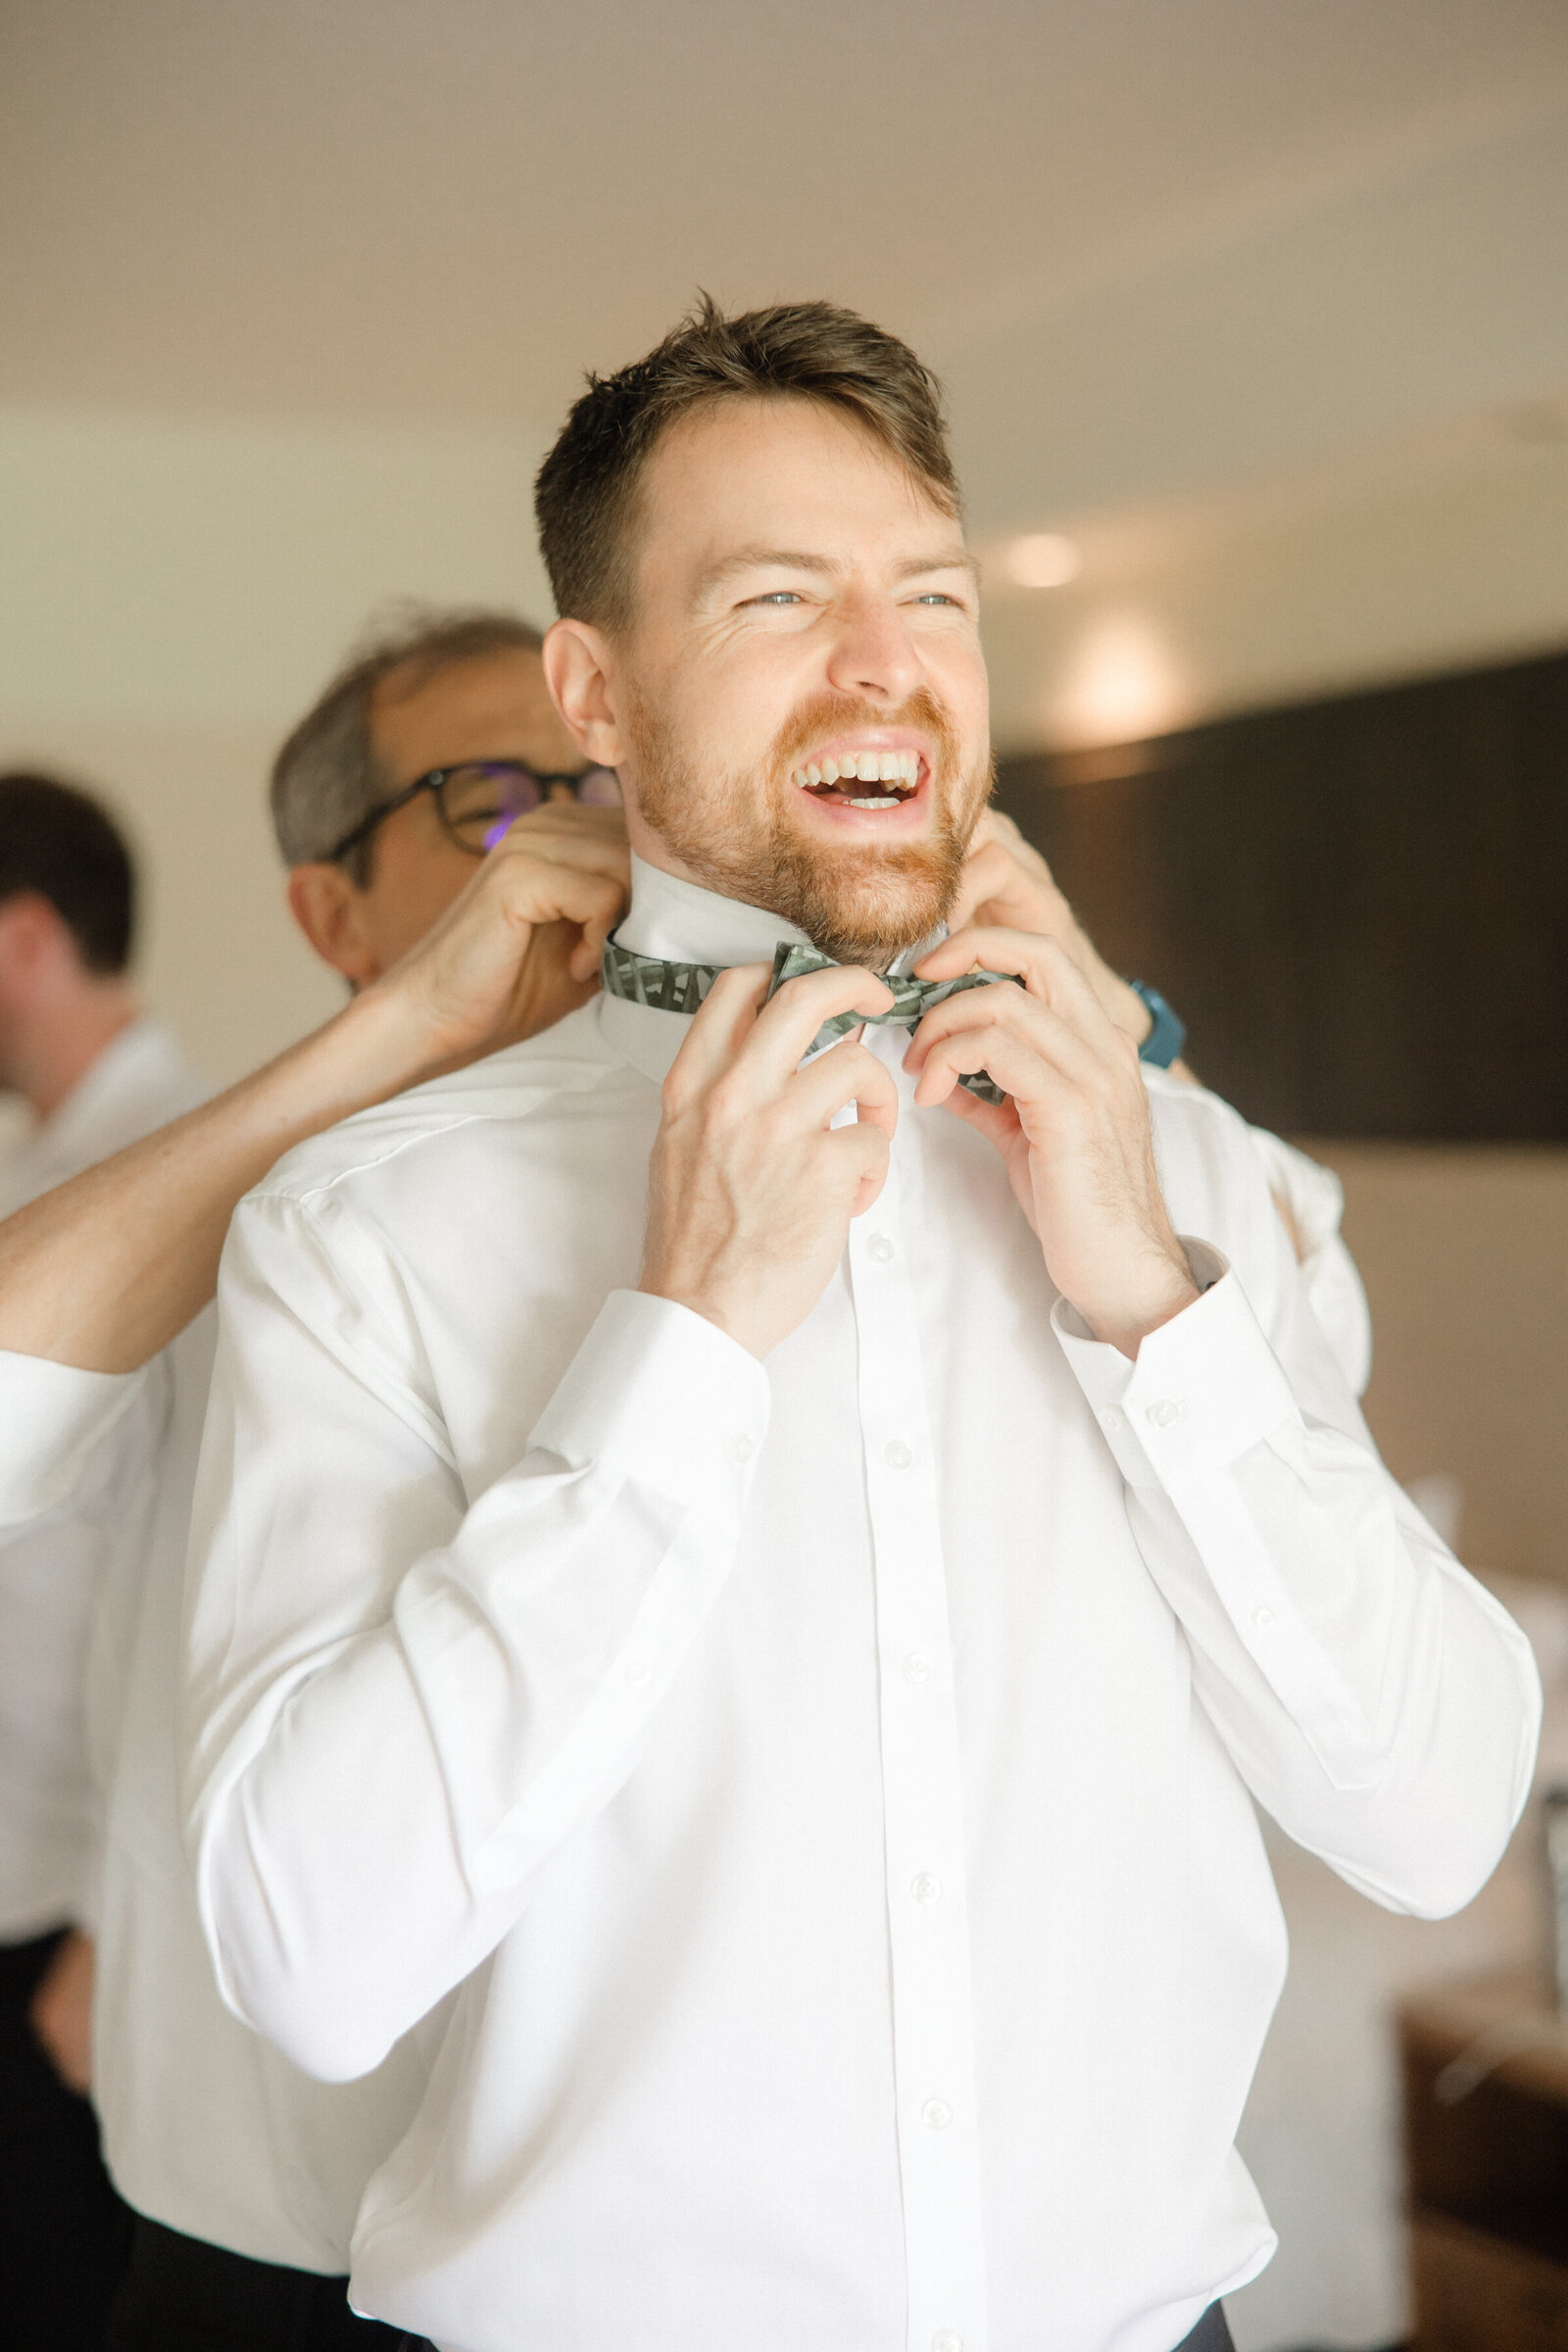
(244, 2174)
(94, 1073)
(745, 1590)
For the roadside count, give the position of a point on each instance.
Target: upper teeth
(865, 768)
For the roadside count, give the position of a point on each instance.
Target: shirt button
(916, 1669)
(638, 1673)
(897, 1454)
(936, 2114)
(1164, 1411)
(739, 1447)
(1262, 1617)
(926, 1890)
(1111, 1417)
(880, 1248)
(946, 2339)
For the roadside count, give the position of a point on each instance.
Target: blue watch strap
(1165, 1040)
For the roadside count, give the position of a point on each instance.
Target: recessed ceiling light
(1043, 559)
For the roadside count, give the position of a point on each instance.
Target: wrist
(1125, 1323)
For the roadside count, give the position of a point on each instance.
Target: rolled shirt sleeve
(452, 1682)
(1376, 1700)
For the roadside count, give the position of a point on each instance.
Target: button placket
(928, 1919)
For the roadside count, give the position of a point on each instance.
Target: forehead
(491, 705)
(782, 473)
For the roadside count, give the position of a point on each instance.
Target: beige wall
(1464, 1252)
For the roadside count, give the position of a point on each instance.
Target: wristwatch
(1165, 1040)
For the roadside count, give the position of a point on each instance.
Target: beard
(862, 903)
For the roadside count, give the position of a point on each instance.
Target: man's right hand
(515, 951)
(751, 1188)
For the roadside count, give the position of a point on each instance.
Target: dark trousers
(1211, 2334)
(182, 2296)
(64, 2234)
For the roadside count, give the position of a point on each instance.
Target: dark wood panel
(1360, 907)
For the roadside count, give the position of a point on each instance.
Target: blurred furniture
(1485, 2073)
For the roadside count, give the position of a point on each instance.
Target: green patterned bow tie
(681, 988)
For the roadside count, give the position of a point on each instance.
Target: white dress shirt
(818, 1793)
(52, 1576)
(206, 2128)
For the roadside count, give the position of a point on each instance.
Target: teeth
(874, 803)
(864, 767)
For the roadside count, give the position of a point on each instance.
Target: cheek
(414, 890)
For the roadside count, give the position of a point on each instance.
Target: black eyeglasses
(478, 799)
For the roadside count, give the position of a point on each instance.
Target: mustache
(833, 714)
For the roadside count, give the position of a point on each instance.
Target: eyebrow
(787, 559)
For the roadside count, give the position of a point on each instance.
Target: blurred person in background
(243, 2175)
(95, 1073)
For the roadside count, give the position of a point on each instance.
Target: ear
(578, 672)
(331, 912)
(32, 933)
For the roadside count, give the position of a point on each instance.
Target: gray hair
(326, 779)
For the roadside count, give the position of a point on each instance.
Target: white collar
(684, 923)
(687, 925)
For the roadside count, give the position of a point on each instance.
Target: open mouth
(875, 780)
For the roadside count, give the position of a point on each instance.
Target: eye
(775, 596)
(934, 596)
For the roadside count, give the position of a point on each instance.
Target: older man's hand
(519, 949)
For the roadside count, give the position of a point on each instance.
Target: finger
(587, 956)
(863, 1153)
(1048, 970)
(845, 1073)
(968, 1032)
(791, 1019)
(719, 1028)
(593, 851)
(568, 816)
(1018, 1065)
(988, 873)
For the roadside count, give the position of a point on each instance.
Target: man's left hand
(1074, 1133)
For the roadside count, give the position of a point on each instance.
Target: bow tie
(682, 987)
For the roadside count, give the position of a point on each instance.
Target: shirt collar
(687, 925)
(684, 923)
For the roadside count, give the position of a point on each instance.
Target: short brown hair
(326, 778)
(57, 841)
(586, 496)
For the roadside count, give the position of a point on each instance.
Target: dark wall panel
(1360, 907)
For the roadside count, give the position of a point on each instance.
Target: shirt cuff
(663, 1396)
(52, 1416)
(1203, 1390)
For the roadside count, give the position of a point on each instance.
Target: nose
(872, 652)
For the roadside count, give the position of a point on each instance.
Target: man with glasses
(244, 2174)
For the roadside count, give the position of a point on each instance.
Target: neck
(62, 1037)
(676, 918)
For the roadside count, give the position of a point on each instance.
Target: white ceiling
(445, 209)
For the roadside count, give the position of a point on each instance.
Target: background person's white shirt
(826, 1782)
(52, 1577)
(206, 2128)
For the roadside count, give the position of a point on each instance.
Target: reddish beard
(862, 903)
